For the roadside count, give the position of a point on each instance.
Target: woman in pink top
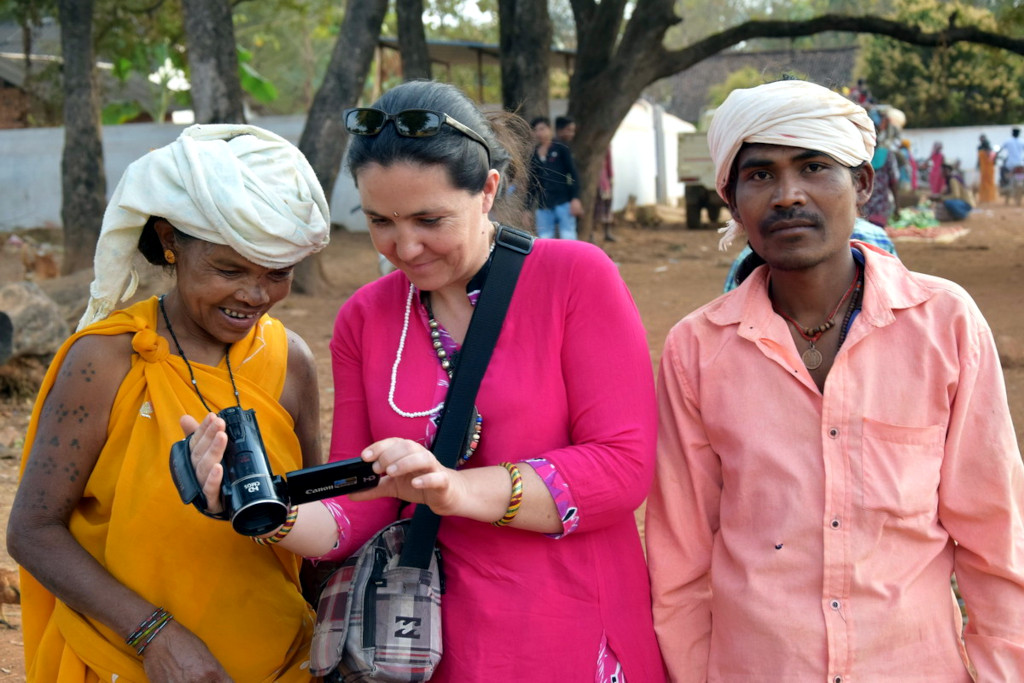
(936, 178)
(561, 593)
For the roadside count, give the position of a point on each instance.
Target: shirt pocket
(901, 467)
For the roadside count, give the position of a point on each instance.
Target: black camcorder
(255, 499)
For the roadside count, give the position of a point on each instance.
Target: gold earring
(169, 256)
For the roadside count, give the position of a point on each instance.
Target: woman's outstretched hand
(207, 441)
(411, 472)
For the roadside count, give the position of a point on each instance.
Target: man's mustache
(791, 215)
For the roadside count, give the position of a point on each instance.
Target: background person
(936, 176)
(987, 190)
(886, 189)
(554, 184)
(106, 546)
(1012, 153)
(834, 438)
(565, 129)
(566, 574)
(603, 202)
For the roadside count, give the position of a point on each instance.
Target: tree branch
(602, 22)
(679, 60)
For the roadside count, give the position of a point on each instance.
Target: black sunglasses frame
(403, 129)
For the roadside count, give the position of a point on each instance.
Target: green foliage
(138, 37)
(470, 20)
(702, 18)
(289, 43)
(26, 12)
(258, 87)
(120, 112)
(962, 84)
(747, 77)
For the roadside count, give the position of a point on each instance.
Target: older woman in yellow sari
(121, 581)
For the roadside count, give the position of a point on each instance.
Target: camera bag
(379, 613)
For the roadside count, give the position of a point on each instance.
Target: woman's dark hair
(149, 242)
(507, 136)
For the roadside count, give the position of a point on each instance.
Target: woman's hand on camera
(411, 472)
(206, 446)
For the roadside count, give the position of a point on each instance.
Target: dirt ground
(669, 270)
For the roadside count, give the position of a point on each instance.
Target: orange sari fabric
(243, 600)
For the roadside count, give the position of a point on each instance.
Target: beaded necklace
(476, 425)
(191, 374)
(447, 364)
(811, 356)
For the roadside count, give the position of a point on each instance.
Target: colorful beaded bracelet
(517, 494)
(142, 636)
(289, 522)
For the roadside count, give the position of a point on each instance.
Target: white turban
(235, 185)
(791, 113)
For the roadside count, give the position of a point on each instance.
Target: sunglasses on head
(409, 123)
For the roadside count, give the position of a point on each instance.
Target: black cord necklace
(181, 352)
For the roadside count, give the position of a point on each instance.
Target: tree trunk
(324, 137)
(213, 61)
(525, 43)
(83, 184)
(412, 40)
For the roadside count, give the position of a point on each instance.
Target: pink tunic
(570, 381)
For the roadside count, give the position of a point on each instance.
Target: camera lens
(258, 517)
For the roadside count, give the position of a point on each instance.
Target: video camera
(255, 499)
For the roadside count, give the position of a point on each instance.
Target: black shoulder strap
(511, 248)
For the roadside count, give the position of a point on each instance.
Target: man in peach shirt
(834, 441)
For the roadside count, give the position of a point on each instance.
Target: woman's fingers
(433, 481)
(400, 457)
(207, 441)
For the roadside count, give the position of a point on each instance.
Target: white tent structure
(644, 157)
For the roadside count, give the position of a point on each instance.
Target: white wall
(30, 184)
(30, 160)
(957, 143)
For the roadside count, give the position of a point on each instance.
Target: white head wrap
(235, 185)
(791, 113)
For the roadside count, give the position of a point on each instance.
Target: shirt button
(834, 604)
(833, 433)
(835, 524)
(837, 679)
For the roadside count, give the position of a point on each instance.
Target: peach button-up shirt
(795, 535)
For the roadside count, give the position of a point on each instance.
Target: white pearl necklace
(398, 359)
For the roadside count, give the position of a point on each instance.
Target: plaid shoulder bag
(379, 613)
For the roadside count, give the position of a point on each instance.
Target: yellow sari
(242, 599)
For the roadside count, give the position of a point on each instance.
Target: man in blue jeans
(554, 184)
